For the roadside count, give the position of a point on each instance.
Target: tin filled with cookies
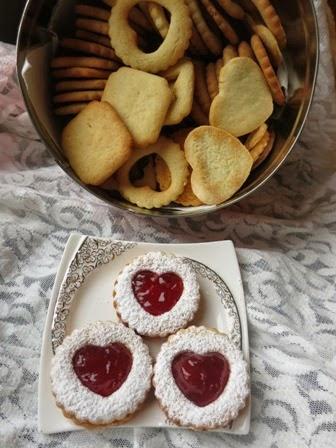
(205, 98)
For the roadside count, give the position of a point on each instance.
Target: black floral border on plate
(94, 253)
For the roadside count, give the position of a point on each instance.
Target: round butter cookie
(201, 379)
(156, 294)
(101, 374)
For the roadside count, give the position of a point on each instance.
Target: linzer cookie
(156, 294)
(201, 379)
(101, 374)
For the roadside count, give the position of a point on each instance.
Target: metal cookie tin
(44, 20)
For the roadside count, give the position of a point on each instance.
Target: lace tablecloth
(286, 240)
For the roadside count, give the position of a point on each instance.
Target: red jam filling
(201, 378)
(157, 294)
(102, 369)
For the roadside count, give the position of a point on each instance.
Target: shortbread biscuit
(72, 85)
(70, 109)
(244, 101)
(93, 12)
(245, 51)
(232, 9)
(263, 156)
(110, 3)
(229, 53)
(143, 8)
(78, 96)
(272, 20)
(187, 197)
(145, 197)
(140, 19)
(254, 138)
(142, 100)
(148, 177)
(96, 143)
(95, 26)
(80, 72)
(197, 114)
(180, 135)
(248, 6)
(259, 148)
(136, 16)
(211, 40)
(211, 80)
(270, 43)
(228, 32)
(83, 61)
(197, 42)
(123, 38)
(220, 164)
(201, 90)
(268, 71)
(159, 19)
(93, 37)
(181, 78)
(219, 64)
(88, 47)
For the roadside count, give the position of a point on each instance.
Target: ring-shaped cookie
(145, 197)
(124, 39)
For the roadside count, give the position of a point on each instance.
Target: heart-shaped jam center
(201, 378)
(156, 293)
(102, 369)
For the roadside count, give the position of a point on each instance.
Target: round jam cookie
(101, 374)
(157, 294)
(201, 379)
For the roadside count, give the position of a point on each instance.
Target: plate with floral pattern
(82, 294)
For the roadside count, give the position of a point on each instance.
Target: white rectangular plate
(92, 301)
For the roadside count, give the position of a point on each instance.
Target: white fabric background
(286, 240)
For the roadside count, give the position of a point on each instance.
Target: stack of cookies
(172, 99)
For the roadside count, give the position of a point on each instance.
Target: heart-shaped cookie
(201, 378)
(157, 294)
(244, 101)
(220, 164)
(102, 369)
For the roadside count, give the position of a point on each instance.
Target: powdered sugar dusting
(178, 408)
(132, 313)
(84, 404)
